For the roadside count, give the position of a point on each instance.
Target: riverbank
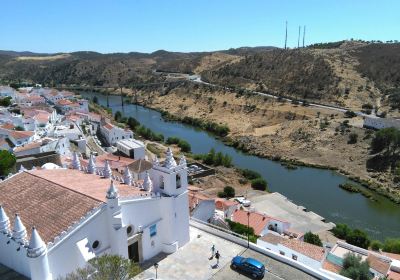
(296, 135)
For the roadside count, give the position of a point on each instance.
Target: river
(315, 189)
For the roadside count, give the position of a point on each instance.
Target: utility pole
(122, 97)
(304, 34)
(298, 38)
(286, 36)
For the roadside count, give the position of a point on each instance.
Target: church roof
(52, 200)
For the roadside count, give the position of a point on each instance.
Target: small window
(129, 230)
(162, 182)
(282, 253)
(153, 230)
(294, 257)
(96, 245)
(178, 181)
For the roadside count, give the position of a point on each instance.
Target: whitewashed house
(6, 91)
(308, 254)
(132, 148)
(112, 134)
(69, 216)
(58, 145)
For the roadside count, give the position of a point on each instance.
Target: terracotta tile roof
(307, 249)
(392, 275)
(378, 264)
(28, 146)
(108, 126)
(392, 255)
(196, 198)
(331, 267)
(64, 102)
(272, 238)
(21, 134)
(49, 207)
(7, 126)
(257, 221)
(116, 162)
(88, 184)
(223, 204)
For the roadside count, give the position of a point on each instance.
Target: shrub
(5, 102)
(376, 245)
(172, 140)
(229, 192)
(392, 245)
(358, 238)
(259, 184)
(341, 231)
(250, 174)
(353, 137)
(350, 114)
(312, 238)
(7, 162)
(354, 268)
(184, 146)
(118, 116)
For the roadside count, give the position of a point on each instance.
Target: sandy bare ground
(43, 58)
(268, 128)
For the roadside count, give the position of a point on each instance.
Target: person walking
(217, 256)
(212, 251)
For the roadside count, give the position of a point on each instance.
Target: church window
(178, 181)
(153, 230)
(162, 184)
(129, 230)
(96, 244)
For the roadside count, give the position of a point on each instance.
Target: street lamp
(156, 266)
(248, 229)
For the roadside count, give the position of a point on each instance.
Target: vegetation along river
(315, 189)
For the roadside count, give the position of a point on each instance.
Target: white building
(58, 145)
(379, 123)
(6, 91)
(308, 254)
(67, 217)
(112, 134)
(132, 148)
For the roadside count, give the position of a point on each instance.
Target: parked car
(249, 266)
(243, 201)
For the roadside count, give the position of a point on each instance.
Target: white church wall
(65, 257)
(14, 255)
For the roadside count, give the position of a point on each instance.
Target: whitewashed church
(53, 221)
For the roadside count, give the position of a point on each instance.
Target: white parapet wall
(320, 274)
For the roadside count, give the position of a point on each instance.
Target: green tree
(209, 158)
(19, 128)
(358, 238)
(95, 100)
(353, 137)
(386, 140)
(392, 245)
(7, 162)
(118, 116)
(312, 238)
(229, 192)
(341, 231)
(376, 245)
(219, 158)
(354, 268)
(106, 267)
(185, 146)
(5, 102)
(259, 184)
(227, 160)
(133, 123)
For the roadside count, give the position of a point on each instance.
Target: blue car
(249, 266)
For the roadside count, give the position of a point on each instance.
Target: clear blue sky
(188, 25)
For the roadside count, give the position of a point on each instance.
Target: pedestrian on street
(217, 255)
(212, 251)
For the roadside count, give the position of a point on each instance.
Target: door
(133, 251)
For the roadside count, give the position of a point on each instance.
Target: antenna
(286, 36)
(304, 34)
(298, 38)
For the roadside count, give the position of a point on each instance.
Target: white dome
(50, 165)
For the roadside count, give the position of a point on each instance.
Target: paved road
(197, 79)
(191, 262)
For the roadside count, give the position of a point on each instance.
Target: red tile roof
(378, 264)
(257, 221)
(392, 275)
(64, 102)
(223, 204)
(195, 198)
(21, 134)
(7, 126)
(331, 267)
(108, 126)
(49, 207)
(312, 251)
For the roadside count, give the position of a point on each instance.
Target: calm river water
(315, 189)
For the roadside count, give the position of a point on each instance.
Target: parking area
(277, 205)
(192, 262)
